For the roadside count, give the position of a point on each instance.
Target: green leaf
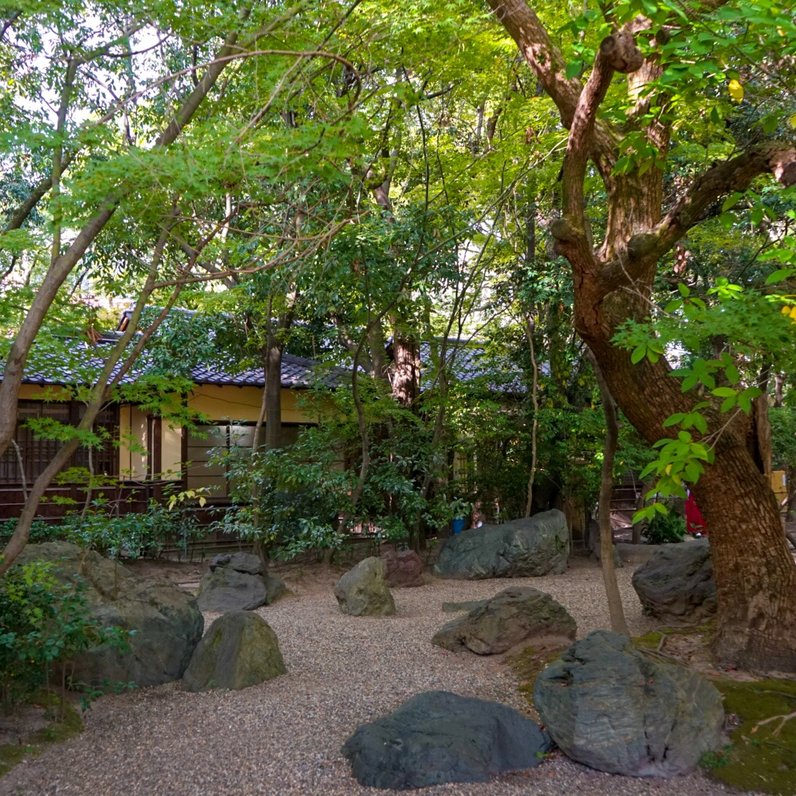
(724, 392)
(700, 423)
(731, 200)
(639, 352)
(780, 275)
(649, 470)
(574, 69)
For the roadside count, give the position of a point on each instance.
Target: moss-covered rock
(165, 620)
(239, 650)
(363, 591)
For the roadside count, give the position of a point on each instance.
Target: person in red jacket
(694, 521)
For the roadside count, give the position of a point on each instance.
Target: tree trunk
(615, 609)
(754, 571)
(273, 392)
(405, 374)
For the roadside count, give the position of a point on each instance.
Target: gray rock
(229, 590)
(166, 620)
(238, 582)
(676, 583)
(612, 708)
(240, 562)
(439, 737)
(634, 554)
(537, 545)
(362, 591)
(275, 588)
(514, 616)
(239, 650)
(598, 555)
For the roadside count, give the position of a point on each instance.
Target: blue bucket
(458, 524)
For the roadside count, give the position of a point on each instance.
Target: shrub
(664, 528)
(134, 535)
(40, 531)
(44, 623)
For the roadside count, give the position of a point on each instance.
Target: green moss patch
(526, 665)
(761, 755)
(66, 722)
(657, 639)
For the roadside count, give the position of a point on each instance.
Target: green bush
(44, 623)
(40, 531)
(134, 535)
(664, 528)
(287, 499)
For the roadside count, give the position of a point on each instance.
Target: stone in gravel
(362, 591)
(676, 584)
(610, 707)
(238, 582)
(239, 650)
(536, 546)
(438, 737)
(402, 568)
(517, 615)
(166, 622)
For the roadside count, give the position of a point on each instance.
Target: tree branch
(720, 179)
(643, 251)
(617, 53)
(547, 62)
(62, 266)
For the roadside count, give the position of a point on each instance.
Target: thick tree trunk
(755, 574)
(405, 376)
(754, 571)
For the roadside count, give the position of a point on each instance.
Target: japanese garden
(398, 397)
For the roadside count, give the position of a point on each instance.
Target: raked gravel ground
(283, 738)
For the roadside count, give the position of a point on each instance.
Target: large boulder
(239, 650)
(537, 545)
(676, 583)
(612, 708)
(402, 568)
(166, 621)
(362, 591)
(238, 582)
(439, 737)
(514, 616)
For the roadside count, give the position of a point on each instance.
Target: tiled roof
(82, 365)
(470, 363)
(297, 373)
